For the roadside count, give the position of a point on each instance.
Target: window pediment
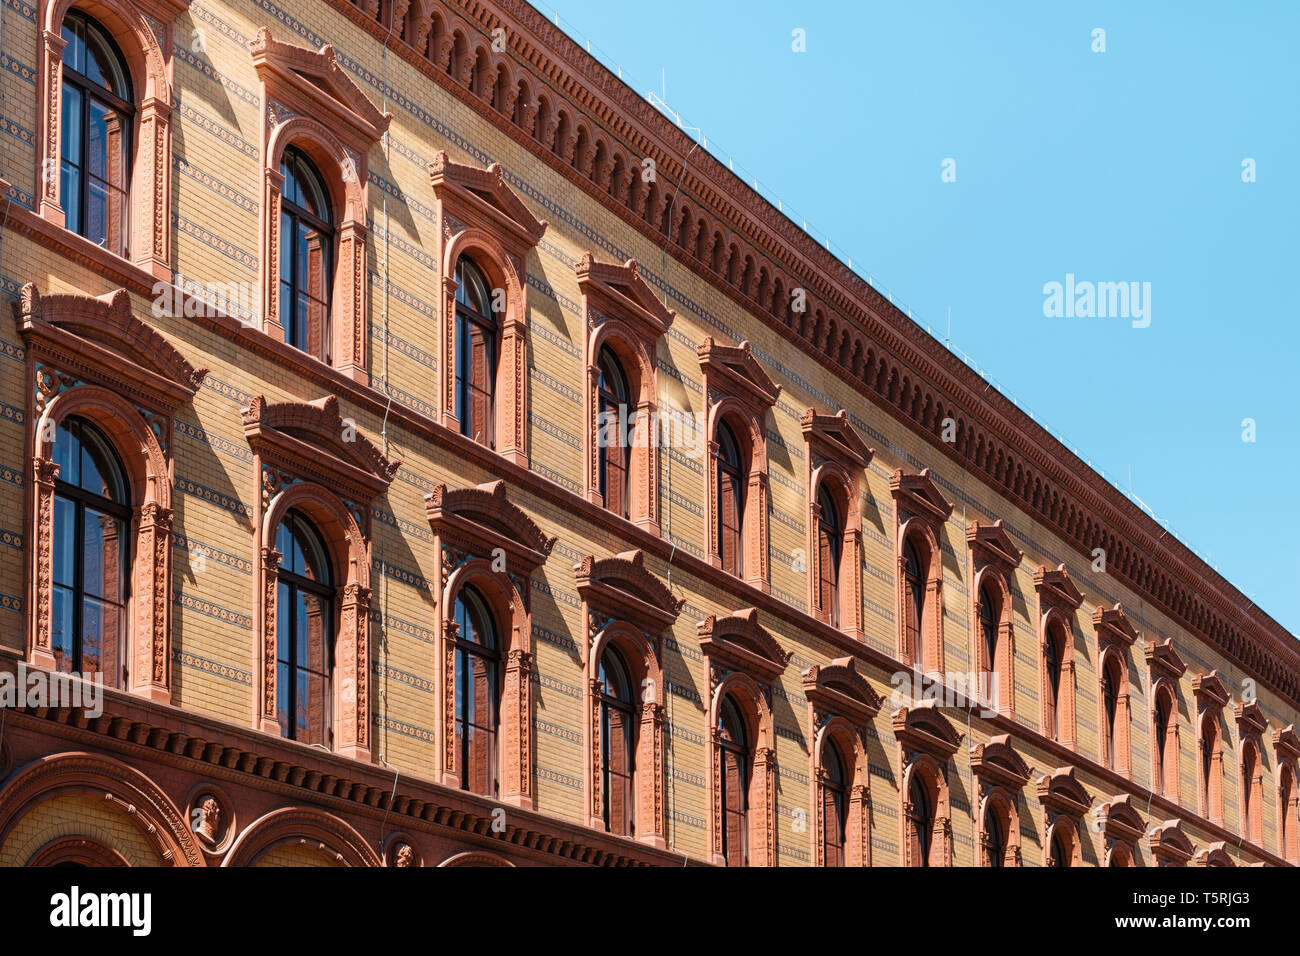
(733, 371)
(838, 688)
(1060, 792)
(1120, 821)
(832, 437)
(997, 763)
(1113, 628)
(480, 198)
(1286, 743)
(1170, 844)
(1210, 692)
(1056, 589)
(1250, 719)
(922, 728)
(312, 82)
(312, 441)
(991, 544)
(1164, 660)
(483, 518)
(620, 292)
(918, 495)
(623, 587)
(738, 642)
(100, 337)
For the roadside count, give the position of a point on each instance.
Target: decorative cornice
(314, 79)
(1113, 627)
(313, 439)
(833, 437)
(622, 292)
(919, 495)
(734, 369)
(1286, 743)
(1163, 659)
(923, 728)
(1250, 719)
(1169, 844)
(1209, 691)
(838, 688)
(486, 193)
(991, 544)
(1121, 821)
(997, 763)
(738, 642)
(103, 332)
(1060, 792)
(623, 587)
(485, 518)
(1056, 589)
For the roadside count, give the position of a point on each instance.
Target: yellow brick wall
(216, 195)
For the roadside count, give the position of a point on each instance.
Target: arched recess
(1115, 635)
(472, 528)
(1058, 602)
(836, 457)
(739, 392)
(920, 513)
(311, 103)
(1064, 802)
(1251, 725)
(143, 32)
(927, 742)
(481, 217)
(313, 829)
(475, 858)
(1286, 745)
(77, 851)
(841, 704)
(994, 561)
(1121, 828)
(620, 310)
(143, 802)
(92, 358)
(744, 661)
(310, 459)
(1211, 699)
(1000, 775)
(1165, 669)
(1169, 844)
(627, 608)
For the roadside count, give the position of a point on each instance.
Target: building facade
(440, 461)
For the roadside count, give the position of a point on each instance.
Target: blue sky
(1117, 166)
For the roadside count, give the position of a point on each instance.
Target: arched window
(98, 117)
(735, 784)
(1162, 738)
(92, 512)
(616, 744)
(1110, 680)
(304, 633)
(988, 628)
(306, 256)
(914, 602)
(477, 687)
(1060, 849)
(614, 460)
(1209, 751)
(1053, 655)
(995, 836)
(476, 354)
(921, 820)
(835, 806)
(829, 538)
(1251, 793)
(731, 501)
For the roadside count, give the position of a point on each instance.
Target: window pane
(65, 541)
(64, 625)
(71, 119)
